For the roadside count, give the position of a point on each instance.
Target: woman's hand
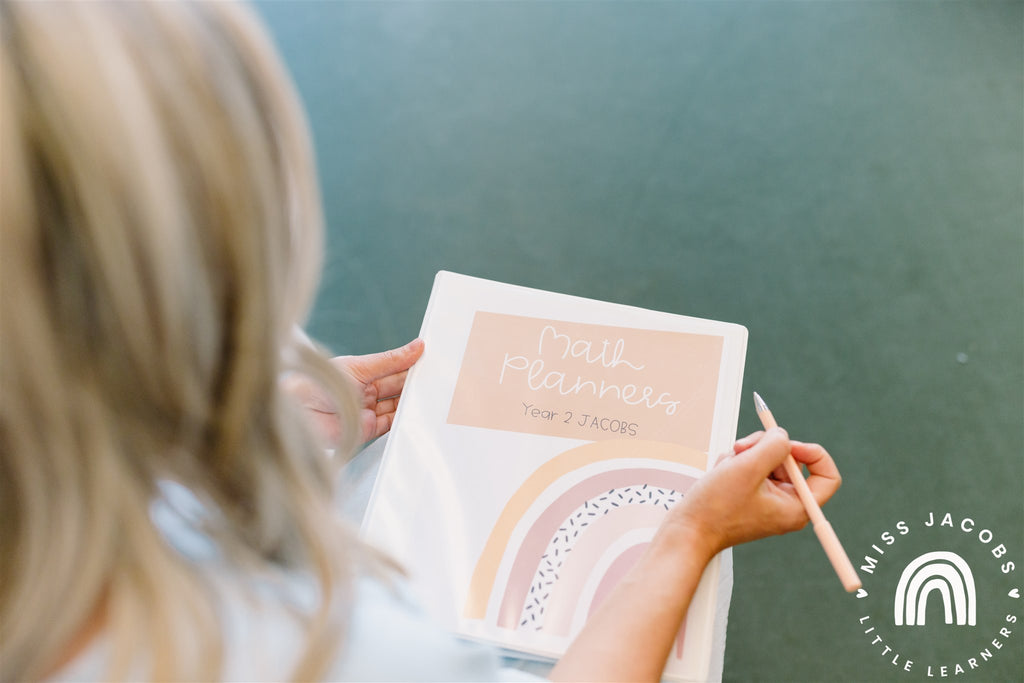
(748, 495)
(745, 496)
(379, 379)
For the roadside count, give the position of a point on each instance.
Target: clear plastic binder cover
(539, 443)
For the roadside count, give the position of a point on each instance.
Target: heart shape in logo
(1015, 593)
(861, 593)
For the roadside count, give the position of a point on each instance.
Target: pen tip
(759, 404)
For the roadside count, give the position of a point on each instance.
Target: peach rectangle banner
(585, 381)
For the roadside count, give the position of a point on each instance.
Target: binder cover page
(539, 442)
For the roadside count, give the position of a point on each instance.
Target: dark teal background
(846, 179)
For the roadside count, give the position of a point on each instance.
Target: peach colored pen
(829, 541)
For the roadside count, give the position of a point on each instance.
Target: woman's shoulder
(387, 637)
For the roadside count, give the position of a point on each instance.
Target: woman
(165, 506)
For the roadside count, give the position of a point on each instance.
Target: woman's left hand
(379, 379)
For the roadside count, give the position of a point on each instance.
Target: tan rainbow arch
(486, 570)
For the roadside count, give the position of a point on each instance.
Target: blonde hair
(160, 233)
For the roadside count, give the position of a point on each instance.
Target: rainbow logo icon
(571, 531)
(943, 572)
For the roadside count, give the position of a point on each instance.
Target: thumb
(374, 366)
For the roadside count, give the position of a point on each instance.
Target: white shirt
(388, 638)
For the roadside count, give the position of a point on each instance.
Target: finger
(748, 441)
(768, 453)
(368, 426)
(824, 479)
(780, 474)
(377, 426)
(722, 458)
(374, 366)
(390, 386)
(385, 406)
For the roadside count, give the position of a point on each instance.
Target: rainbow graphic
(572, 530)
(941, 571)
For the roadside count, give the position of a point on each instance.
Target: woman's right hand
(745, 496)
(748, 495)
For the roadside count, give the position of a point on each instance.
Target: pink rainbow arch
(528, 557)
(618, 569)
(586, 555)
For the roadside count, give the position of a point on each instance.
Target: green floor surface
(846, 179)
